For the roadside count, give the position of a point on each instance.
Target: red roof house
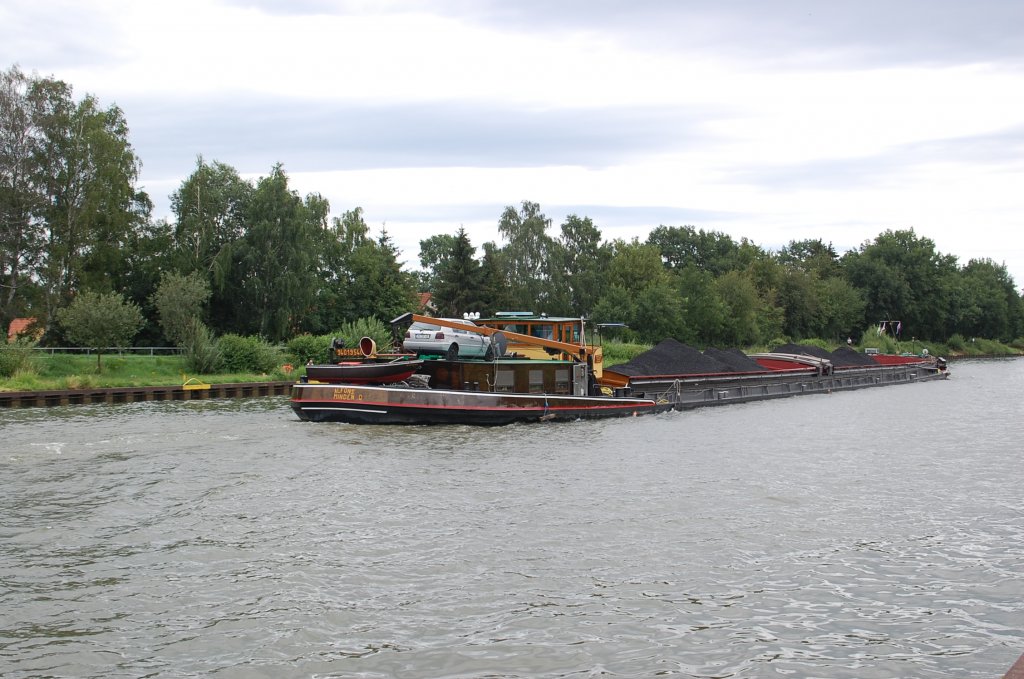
(23, 327)
(426, 304)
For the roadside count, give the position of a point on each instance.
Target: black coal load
(735, 359)
(804, 350)
(671, 357)
(848, 357)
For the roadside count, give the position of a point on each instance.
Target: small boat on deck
(363, 372)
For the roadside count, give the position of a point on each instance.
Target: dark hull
(689, 391)
(404, 405)
(363, 373)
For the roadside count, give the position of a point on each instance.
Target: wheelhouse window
(543, 331)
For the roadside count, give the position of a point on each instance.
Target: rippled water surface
(876, 533)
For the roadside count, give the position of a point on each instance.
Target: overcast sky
(773, 121)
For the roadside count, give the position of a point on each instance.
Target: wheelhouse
(558, 328)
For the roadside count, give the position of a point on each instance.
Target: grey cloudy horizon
(768, 121)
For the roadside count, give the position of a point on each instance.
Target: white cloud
(772, 122)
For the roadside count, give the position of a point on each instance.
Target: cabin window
(562, 381)
(504, 380)
(536, 381)
(542, 331)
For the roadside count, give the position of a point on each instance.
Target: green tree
(434, 252)
(68, 205)
(841, 310)
(989, 305)
(739, 296)
(584, 260)
(148, 254)
(683, 246)
(362, 277)
(378, 287)
(618, 305)
(640, 292)
(210, 209)
(494, 295)
(99, 321)
(527, 254)
(811, 257)
(635, 265)
(903, 278)
(179, 301)
(801, 304)
(703, 313)
(659, 313)
(815, 300)
(91, 205)
(274, 274)
(766, 273)
(21, 196)
(764, 269)
(459, 279)
(338, 243)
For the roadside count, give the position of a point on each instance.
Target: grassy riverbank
(67, 371)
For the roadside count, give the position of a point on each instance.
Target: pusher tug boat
(496, 392)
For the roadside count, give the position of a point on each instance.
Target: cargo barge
(567, 386)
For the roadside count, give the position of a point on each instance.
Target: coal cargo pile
(670, 357)
(735, 359)
(804, 350)
(846, 357)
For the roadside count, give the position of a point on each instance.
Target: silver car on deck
(429, 339)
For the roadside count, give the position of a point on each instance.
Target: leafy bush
(934, 348)
(179, 300)
(988, 347)
(202, 349)
(305, 348)
(819, 343)
(79, 382)
(884, 343)
(616, 352)
(16, 357)
(248, 354)
(957, 342)
(373, 328)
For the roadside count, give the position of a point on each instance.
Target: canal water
(874, 533)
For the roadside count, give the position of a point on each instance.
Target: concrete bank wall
(27, 399)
